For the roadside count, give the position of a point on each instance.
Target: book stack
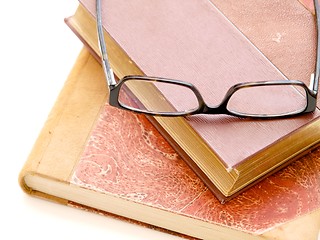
(207, 177)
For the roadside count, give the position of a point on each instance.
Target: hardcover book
(214, 46)
(93, 156)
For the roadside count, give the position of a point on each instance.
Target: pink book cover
(214, 55)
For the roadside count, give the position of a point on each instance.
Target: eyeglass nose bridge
(219, 109)
(222, 107)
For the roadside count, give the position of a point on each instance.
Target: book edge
(39, 161)
(69, 195)
(36, 154)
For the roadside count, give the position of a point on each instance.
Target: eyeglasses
(167, 97)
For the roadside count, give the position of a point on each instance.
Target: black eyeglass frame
(114, 87)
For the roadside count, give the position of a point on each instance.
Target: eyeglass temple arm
(314, 84)
(104, 56)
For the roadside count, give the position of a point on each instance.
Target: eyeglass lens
(268, 100)
(158, 97)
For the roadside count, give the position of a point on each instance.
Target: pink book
(214, 46)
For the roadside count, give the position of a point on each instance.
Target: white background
(37, 52)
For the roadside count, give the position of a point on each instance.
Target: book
(101, 159)
(228, 154)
